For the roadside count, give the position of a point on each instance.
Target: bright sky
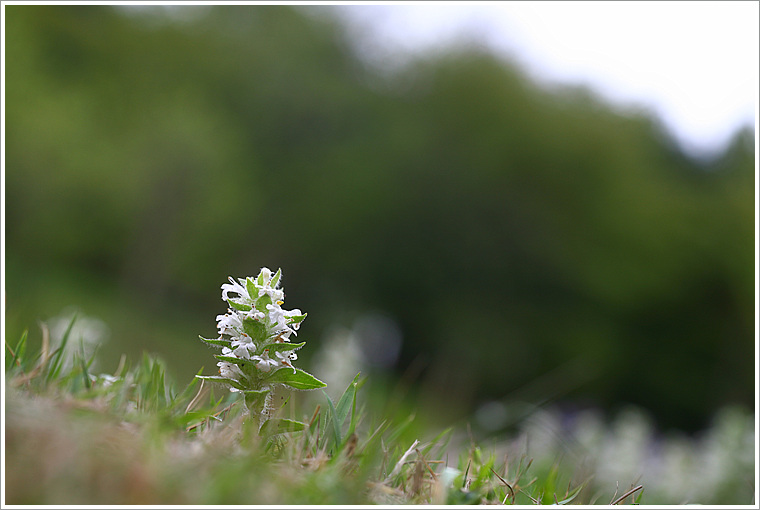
(695, 64)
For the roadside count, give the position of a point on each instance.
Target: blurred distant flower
(709, 468)
(372, 344)
(83, 333)
(339, 357)
(104, 380)
(254, 336)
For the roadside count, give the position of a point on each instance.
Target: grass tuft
(76, 438)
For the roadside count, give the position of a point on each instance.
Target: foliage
(147, 148)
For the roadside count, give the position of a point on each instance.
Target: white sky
(695, 64)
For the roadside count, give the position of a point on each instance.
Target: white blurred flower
(674, 468)
(86, 334)
(339, 357)
(105, 380)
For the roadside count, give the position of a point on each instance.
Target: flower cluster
(254, 335)
(258, 301)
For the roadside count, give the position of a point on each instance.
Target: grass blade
(57, 357)
(83, 365)
(17, 354)
(345, 401)
(333, 419)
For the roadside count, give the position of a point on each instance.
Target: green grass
(73, 437)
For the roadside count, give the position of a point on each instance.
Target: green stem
(259, 406)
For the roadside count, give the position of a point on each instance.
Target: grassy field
(74, 437)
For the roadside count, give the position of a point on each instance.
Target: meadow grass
(73, 437)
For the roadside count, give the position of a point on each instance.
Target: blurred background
(466, 235)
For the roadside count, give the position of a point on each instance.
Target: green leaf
(282, 346)
(255, 329)
(224, 342)
(260, 278)
(299, 380)
(238, 306)
(220, 379)
(280, 426)
(262, 302)
(276, 278)
(232, 359)
(251, 287)
(296, 319)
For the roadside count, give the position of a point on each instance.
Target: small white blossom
(277, 295)
(230, 371)
(242, 352)
(235, 288)
(277, 318)
(243, 341)
(266, 275)
(286, 357)
(254, 314)
(229, 324)
(264, 362)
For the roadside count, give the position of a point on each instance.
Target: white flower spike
(254, 336)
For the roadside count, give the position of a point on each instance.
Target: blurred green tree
(509, 229)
